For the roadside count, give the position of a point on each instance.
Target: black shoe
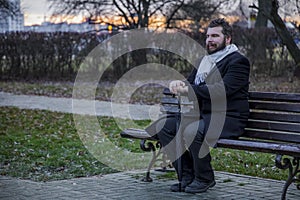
(175, 187)
(199, 186)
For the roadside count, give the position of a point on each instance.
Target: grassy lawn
(44, 146)
(41, 146)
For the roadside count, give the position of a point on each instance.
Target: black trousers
(193, 165)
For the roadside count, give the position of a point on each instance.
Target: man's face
(216, 40)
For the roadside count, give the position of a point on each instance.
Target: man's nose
(209, 39)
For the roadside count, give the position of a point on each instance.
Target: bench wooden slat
(136, 134)
(276, 148)
(274, 96)
(169, 100)
(169, 109)
(283, 117)
(277, 126)
(286, 107)
(275, 136)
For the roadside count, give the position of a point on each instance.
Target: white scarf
(209, 61)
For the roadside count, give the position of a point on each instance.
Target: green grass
(242, 162)
(44, 146)
(62, 89)
(248, 163)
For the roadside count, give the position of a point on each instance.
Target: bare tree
(134, 13)
(270, 9)
(140, 11)
(262, 19)
(285, 8)
(87, 8)
(193, 10)
(8, 7)
(4, 4)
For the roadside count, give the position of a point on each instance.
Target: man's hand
(178, 87)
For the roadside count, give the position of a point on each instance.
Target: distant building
(12, 21)
(65, 27)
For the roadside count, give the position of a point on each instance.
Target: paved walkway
(126, 185)
(67, 105)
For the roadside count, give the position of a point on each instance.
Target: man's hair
(227, 29)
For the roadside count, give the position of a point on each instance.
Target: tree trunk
(262, 20)
(272, 14)
(260, 47)
(145, 20)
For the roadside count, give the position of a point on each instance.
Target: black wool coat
(224, 95)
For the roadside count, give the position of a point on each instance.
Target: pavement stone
(125, 185)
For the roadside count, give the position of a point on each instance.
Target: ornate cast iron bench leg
(165, 163)
(293, 172)
(149, 146)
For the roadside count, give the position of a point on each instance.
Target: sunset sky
(34, 11)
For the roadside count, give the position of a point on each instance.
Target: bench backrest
(273, 116)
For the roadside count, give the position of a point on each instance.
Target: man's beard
(222, 46)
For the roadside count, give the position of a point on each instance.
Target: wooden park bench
(273, 127)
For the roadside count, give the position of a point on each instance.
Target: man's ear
(228, 40)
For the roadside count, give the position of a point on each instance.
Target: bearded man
(225, 69)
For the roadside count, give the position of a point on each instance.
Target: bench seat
(290, 149)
